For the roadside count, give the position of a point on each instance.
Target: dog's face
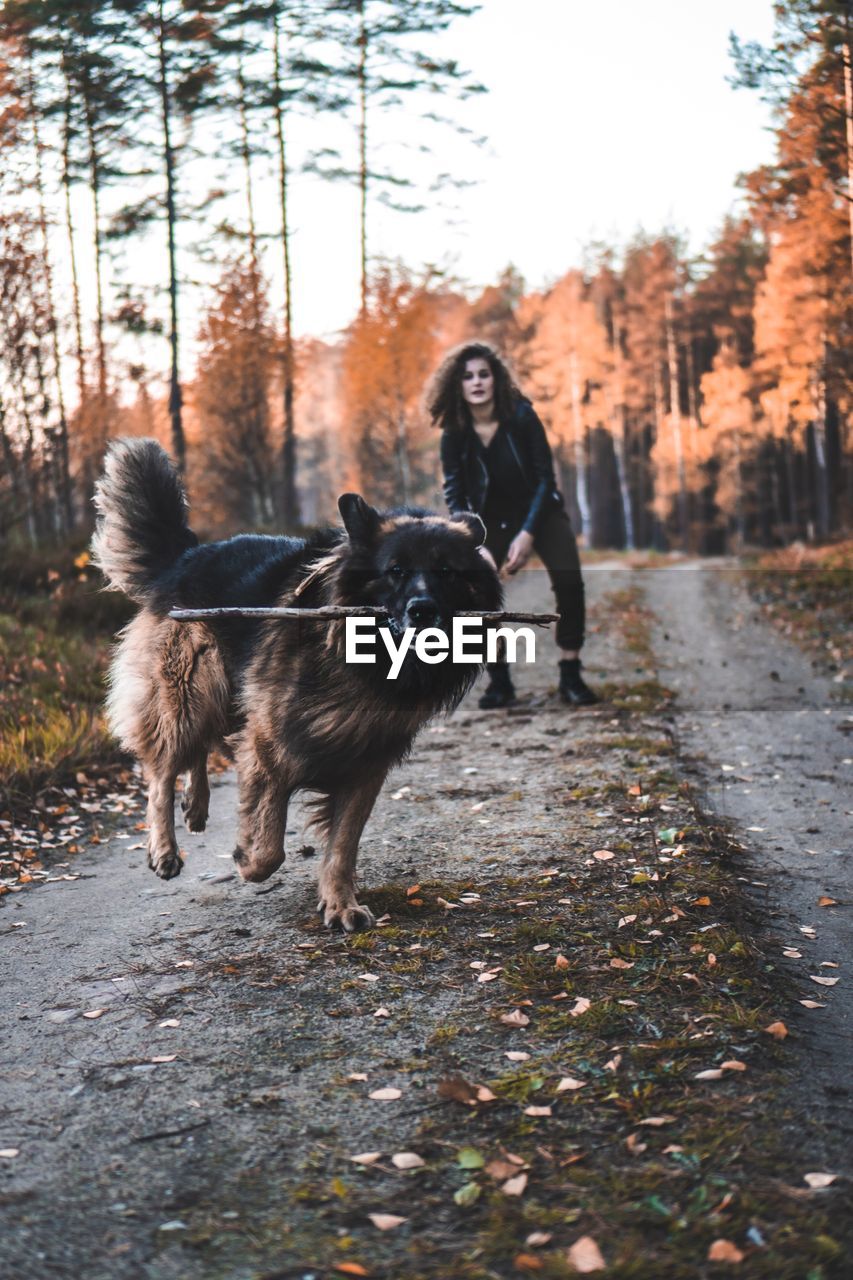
(422, 568)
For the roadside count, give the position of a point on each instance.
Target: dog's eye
(396, 568)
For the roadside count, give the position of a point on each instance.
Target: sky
(600, 119)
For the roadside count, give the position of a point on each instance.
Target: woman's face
(478, 385)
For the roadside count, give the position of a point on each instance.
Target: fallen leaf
(733, 1065)
(585, 1256)
(777, 1030)
(412, 890)
(654, 1122)
(634, 1145)
(357, 1075)
(469, 1158)
(713, 1073)
(537, 1111)
(386, 1221)
(613, 1064)
(617, 963)
(603, 855)
(561, 962)
(704, 901)
(542, 946)
(518, 1019)
(468, 1194)
(724, 1251)
(516, 1055)
(489, 975)
(527, 1262)
(625, 920)
(515, 1186)
(382, 1012)
(448, 906)
(792, 953)
(824, 982)
(164, 1057)
(500, 1170)
(570, 1083)
(352, 1268)
(367, 1157)
(457, 1089)
(812, 1004)
(167, 1022)
(538, 1238)
(819, 1180)
(407, 1160)
(9, 1153)
(580, 1006)
(826, 902)
(385, 1095)
(94, 1013)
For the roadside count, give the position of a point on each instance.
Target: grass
(808, 593)
(55, 633)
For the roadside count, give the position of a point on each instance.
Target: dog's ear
(360, 520)
(473, 524)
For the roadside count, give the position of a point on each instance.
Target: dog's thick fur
(294, 713)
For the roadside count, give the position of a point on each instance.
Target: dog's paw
(254, 869)
(195, 815)
(348, 918)
(166, 865)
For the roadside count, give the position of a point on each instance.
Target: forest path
(190, 1066)
(769, 741)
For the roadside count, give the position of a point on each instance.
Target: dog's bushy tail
(142, 517)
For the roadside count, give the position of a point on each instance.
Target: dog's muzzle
(422, 612)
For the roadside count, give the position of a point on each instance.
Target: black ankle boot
(573, 687)
(500, 692)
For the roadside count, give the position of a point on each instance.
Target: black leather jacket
(466, 480)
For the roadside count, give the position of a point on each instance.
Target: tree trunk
(621, 422)
(579, 450)
(675, 418)
(63, 486)
(362, 149)
(179, 448)
(72, 253)
(819, 436)
(289, 507)
(848, 113)
(246, 154)
(95, 182)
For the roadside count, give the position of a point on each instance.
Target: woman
(496, 461)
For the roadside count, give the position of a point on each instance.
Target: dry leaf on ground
(777, 1030)
(515, 1019)
(819, 1180)
(585, 1256)
(515, 1186)
(724, 1251)
(407, 1160)
(385, 1095)
(569, 1083)
(366, 1157)
(386, 1221)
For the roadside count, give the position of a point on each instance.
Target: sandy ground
(215, 1065)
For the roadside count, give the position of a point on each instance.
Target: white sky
(600, 118)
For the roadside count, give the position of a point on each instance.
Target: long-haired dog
(295, 714)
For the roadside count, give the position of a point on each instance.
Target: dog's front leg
(350, 808)
(163, 855)
(264, 795)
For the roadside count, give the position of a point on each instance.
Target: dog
(277, 693)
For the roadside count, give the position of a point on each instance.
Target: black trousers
(557, 549)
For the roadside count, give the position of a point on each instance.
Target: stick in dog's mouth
(335, 611)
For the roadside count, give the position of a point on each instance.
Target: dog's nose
(422, 610)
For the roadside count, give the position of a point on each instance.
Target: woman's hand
(520, 551)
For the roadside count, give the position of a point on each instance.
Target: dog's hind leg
(196, 800)
(264, 796)
(349, 810)
(163, 855)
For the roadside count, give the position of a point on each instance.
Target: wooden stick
(331, 612)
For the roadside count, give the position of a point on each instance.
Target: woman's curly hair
(445, 403)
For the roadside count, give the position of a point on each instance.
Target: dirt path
(200, 1122)
(770, 742)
